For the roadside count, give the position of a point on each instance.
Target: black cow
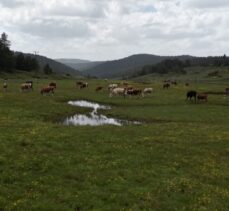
(191, 94)
(166, 86)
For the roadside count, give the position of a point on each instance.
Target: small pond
(93, 118)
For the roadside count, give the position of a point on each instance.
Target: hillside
(57, 67)
(83, 66)
(79, 64)
(73, 61)
(127, 66)
(193, 74)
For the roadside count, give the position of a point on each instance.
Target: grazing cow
(125, 84)
(5, 86)
(98, 88)
(31, 83)
(129, 88)
(26, 87)
(166, 86)
(202, 96)
(133, 92)
(118, 91)
(112, 86)
(191, 94)
(84, 85)
(79, 83)
(227, 91)
(147, 91)
(186, 84)
(174, 83)
(52, 84)
(47, 90)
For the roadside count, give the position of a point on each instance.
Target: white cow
(118, 91)
(147, 91)
(112, 86)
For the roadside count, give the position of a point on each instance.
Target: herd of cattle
(115, 89)
(28, 85)
(118, 89)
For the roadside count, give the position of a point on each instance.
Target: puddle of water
(87, 104)
(93, 119)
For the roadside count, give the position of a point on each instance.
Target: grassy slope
(177, 161)
(194, 74)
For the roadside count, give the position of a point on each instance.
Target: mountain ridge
(128, 65)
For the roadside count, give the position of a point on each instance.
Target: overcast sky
(112, 29)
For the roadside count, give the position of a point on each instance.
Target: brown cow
(166, 86)
(202, 96)
(84, 85)
(31, 83)
(47, 90)
(134, 92)
(129, 88)
(227, 91)
(79, 83)
(26, 87)
(186, 84)
(125, 84)
(98, 88)
(52, 84)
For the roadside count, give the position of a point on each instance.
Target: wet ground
(93, 118)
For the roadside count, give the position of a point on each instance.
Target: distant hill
(128, 65)
(79, 64)
(73, 61)
(57, 67)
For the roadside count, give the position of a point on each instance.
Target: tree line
(178, 66)
(11, 61)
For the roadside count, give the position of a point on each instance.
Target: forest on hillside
(11, 61)
(178, 66)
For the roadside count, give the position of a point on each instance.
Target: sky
(113, 29)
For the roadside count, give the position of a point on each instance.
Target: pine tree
(6, 55)
(47, 69)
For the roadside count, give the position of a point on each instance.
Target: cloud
(11, 3)
(101, 29)
(56, 28)
(203, 4)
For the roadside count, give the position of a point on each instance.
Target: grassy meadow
(176, 160)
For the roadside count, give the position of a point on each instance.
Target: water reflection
(93, 119)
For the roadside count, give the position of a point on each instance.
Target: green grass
(176, 160)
